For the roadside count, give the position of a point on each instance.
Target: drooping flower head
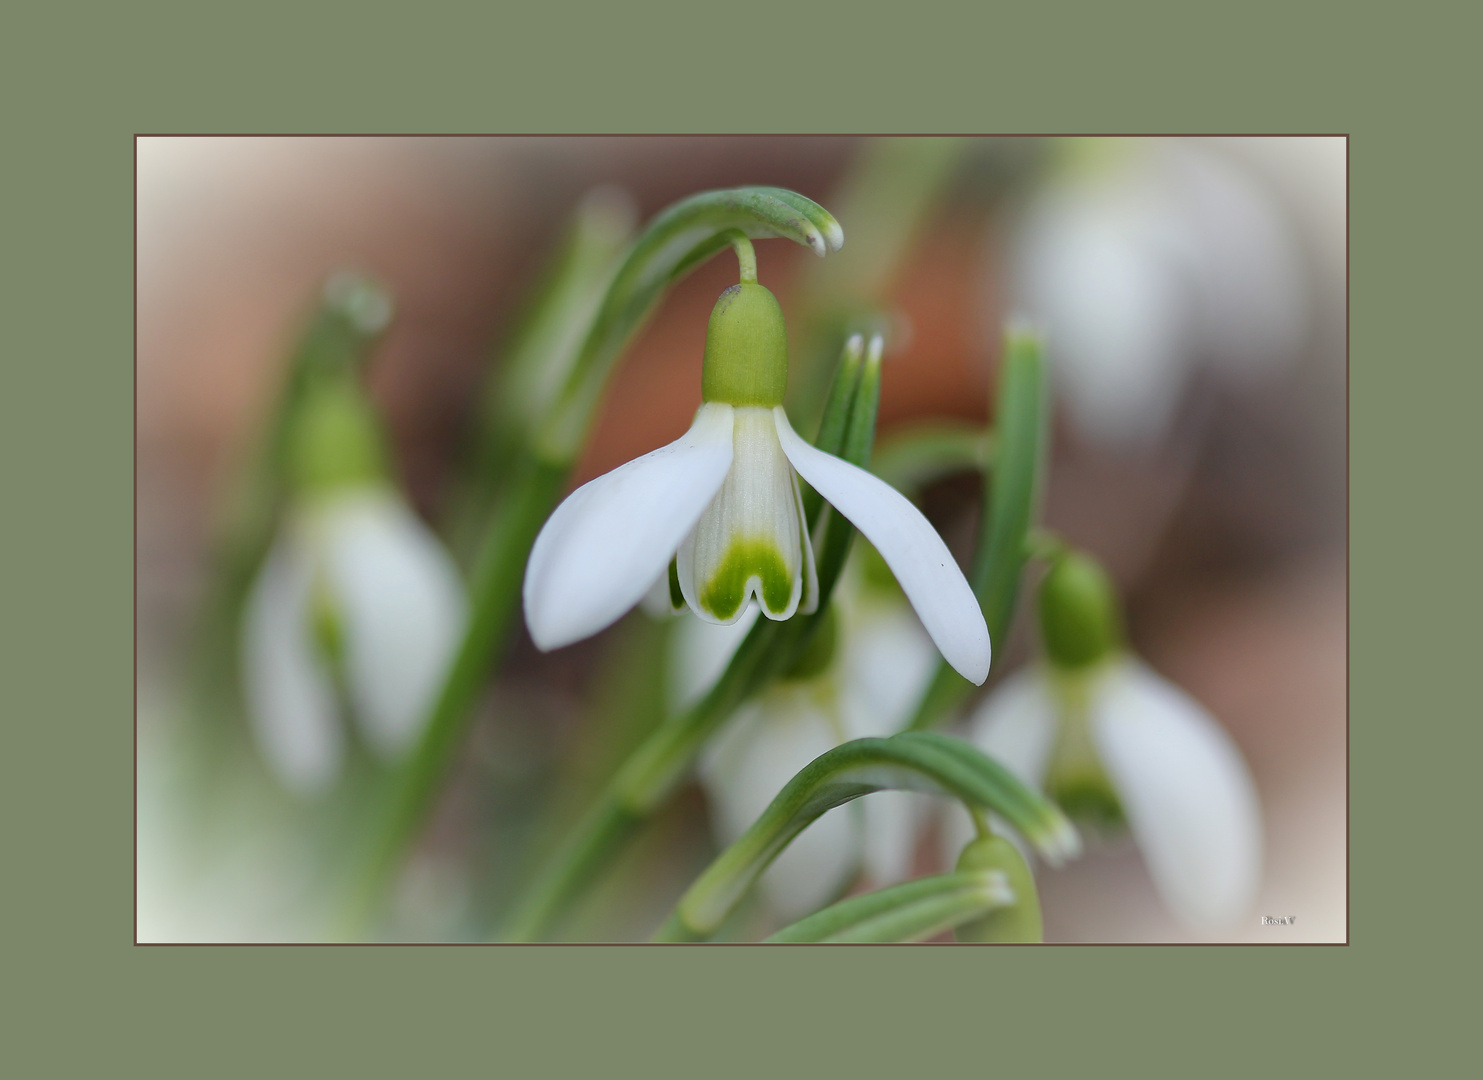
(357, 608)
(1113, 742)
(717, 514)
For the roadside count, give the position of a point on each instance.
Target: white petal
(809, 602)
(402, 607)
(1016, 726)
(607, 543)
(760, 750)
(923, 566)
(892, 819)
(657, 601)
(290, 699)
(885, 662)
(1187, 794)
(700, 651)
(749, 542)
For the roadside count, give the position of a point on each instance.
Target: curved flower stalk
(719, 512)
(1144, 258)
(356, 606)
(864, 685)
(1109, 739)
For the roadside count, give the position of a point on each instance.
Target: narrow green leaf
(1011, 502)
(541, 352)
(913, 762)
(916, 457)
(912, 911)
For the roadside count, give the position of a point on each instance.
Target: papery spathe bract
(356, 591)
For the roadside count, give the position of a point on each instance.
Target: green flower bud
(1021, 920)
(335, 440)
(1079, 619)
(746, 349)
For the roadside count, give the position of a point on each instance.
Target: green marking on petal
(726, 591)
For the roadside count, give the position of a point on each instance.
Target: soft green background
(79, 81)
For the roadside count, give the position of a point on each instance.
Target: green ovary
(724, 594)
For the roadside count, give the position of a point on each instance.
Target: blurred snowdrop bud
(1143, 258)
(863, 684)
(1111, 741)
(357, 604)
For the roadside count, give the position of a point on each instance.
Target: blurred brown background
(1228, 538)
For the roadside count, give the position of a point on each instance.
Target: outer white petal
(892, 820)
(760, 750)
(1187, 794)
(606, 544)
(923, 566)
(885, 660)
(1016, 726)
(290, 699)
(403, 609)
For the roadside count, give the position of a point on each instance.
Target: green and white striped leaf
(912, 911)
(912, 761)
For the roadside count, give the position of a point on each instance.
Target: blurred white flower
(1177, 777)
(1143, 258)
(881, 663)
(356, 593)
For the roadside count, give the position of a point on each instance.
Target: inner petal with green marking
(750, 541)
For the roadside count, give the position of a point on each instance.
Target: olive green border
(84, 1001)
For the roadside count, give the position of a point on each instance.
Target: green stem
(494, 592)
(746, 256)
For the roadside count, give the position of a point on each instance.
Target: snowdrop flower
(863, 683)
(1144, 258)
(357, 604)
(722, 502)
(1111, 740)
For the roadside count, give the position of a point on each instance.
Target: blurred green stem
(541, 353)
